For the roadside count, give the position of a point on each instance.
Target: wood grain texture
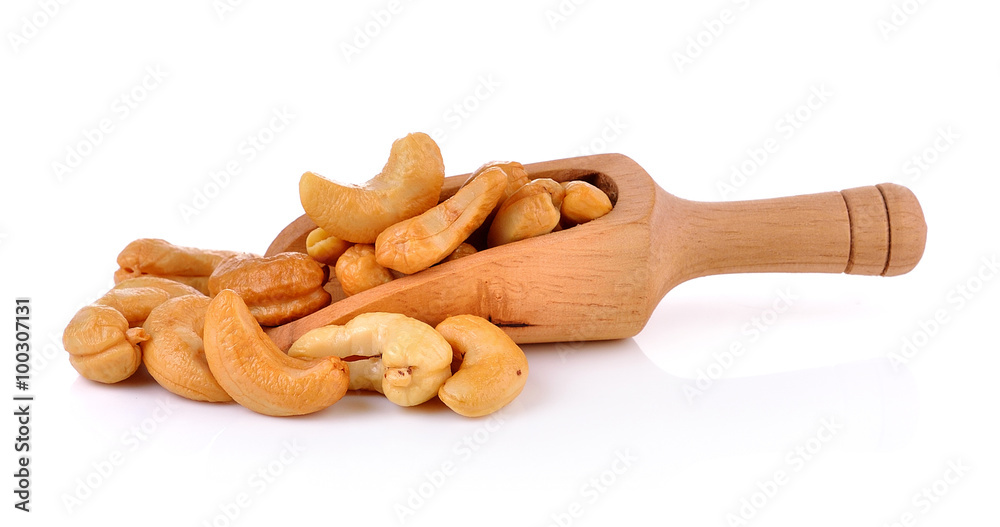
(869, 231)
(602, 280)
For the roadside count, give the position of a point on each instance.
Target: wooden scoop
(602, 280)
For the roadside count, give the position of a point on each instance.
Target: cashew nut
(255, 373)
(390, 353)
(325, 248)
(172, 287)
(517, 177)
(102, 338)
(418, 243)
(492, 368)
(461, 251)
(175, 353)
(358, 271)
(530, 211)
(409, 184)
(583, 202)
(277, 288)
(150, 256)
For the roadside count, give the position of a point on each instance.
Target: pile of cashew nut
(194, 317)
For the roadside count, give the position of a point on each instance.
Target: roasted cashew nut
(417, 243)
(278, 288)
(324, 247)
(386, 352)
(492, 370)
(409, 184)
(517, 176)
(150, 256)
(102, 339)
(461, 251)
(583, 202)
(175, 353)
(357, 270)
(530, 211)
(256, 374)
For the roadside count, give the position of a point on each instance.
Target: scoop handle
(876, 230)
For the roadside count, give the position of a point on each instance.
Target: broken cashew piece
(357, 270)
(102, 338)
(325, 248)
(386, 352)
(583, 202)
(409, 184)
(256, 374)
(492, 370)
(151, 256)
(417, 243)
(278, 288)
(175, 352)
(531, 211)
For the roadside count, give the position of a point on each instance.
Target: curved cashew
(150, 256)
(390, 353)
(409, 184)
(461, 251)
(530, 211)
(358, 271)
(418, 243)
(517, 177)
(583, 202)
(171, 287)
(325, 248)
(175, 353)
(102, 338)
(255, 373)
(493, 369)
(277, 288)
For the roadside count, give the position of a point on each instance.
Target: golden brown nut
(357, 270)
(583, 202)
(530, 211)
(278, 288)
(175, 353)
(325, 248)
(390, 353)
(461, 251)
(150, 256)
(172, 287)
(256, 374)
(102, 338)
(101, 345)
(492, 370)
(409, 184)
(418, 243)
(517, 177)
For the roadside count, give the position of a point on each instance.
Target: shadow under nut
(175, 353)
(277, 289)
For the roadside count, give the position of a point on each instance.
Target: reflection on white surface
(601, 417)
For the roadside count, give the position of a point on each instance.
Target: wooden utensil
(602, 280)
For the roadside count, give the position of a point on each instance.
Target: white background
(602, 77)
